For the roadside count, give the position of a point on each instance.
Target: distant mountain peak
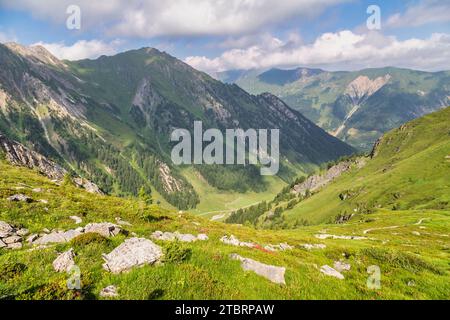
(362, 87)
(35, 52)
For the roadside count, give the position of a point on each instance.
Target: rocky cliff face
(362, 88)
(19, 155)
(318, 181)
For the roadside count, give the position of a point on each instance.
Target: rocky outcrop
(170, 183)
(105, 229)
(58, 237)
(131, 253)
(333, 236)
(318, 181)
(10, 236)
(170, 236)
(309, 246)
(232, 240)
(362, 88)
(272, 273)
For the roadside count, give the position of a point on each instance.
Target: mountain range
(109, 120)
(357, 107)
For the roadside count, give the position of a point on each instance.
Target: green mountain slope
(412, 266)
(110, 120)
(358, 107)
(409, 170)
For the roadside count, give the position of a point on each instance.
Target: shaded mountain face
(110, 119)
(357, 107)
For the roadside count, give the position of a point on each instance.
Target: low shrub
(12, 270)
(175, 252)
(89, 238)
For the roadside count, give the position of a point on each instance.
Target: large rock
(64, 262)
(105, 229)
(273, 273)
(329, 271)
(131, 253)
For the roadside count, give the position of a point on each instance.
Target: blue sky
(216, 35)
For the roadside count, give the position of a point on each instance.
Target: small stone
(109, 292)
(309, 246)
(43, 201)
(15, 245)
(20, 197)
(32, 238)
(23, 232)
(202, 237)
(123, 222)
(76, 219)
(45, 230)
(64, 262)
(12, 239)
(329, 271)
(342, 266)
(416, 233)
(232, 240)
(37, 190)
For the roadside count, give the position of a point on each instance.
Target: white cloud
(148, 18)
(343, 50)
(426, 12)
(7, 37)
(81, 49)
